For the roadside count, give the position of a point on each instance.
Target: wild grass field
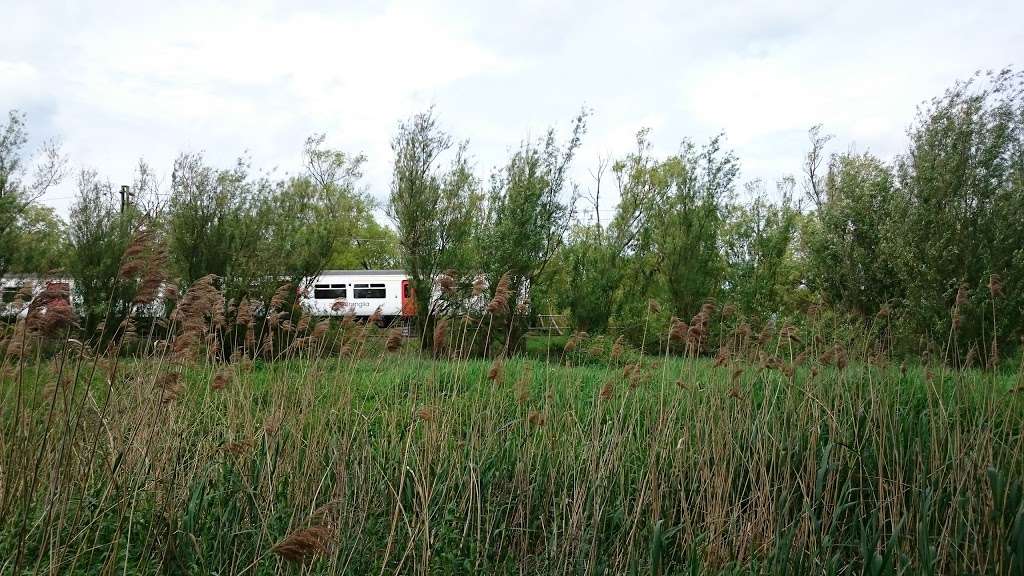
(380, 459)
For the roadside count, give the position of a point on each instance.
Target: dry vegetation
(217, 443)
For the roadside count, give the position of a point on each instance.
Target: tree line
(930, 241)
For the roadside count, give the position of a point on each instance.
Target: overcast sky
(119, 81)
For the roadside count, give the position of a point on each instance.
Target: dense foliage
(30, 233)
(931, 235)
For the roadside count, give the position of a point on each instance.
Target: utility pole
(127, 196)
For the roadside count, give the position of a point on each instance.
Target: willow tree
(958, 214)
(20, 188)
(432, 205)
(529, 211)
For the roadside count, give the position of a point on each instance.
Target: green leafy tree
(698, 184)
(256, 233)
(40, 244)
(587, 270)
(669, 224)
(309, 217)
(372, 246)
(359, 240)
(589, 275)
(20, 215)
(850, 260)
(528, 215)
(98, 234)
(958, 215)
(434, 208)
(761, 272)
(212, 224)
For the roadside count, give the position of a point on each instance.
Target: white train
(360, 292)
(332, 293)
(14, 291)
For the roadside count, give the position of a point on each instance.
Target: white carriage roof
(30, 276)
(363, 272)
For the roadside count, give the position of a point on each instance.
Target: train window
(369, 291)
(328, 291)
(9, 292)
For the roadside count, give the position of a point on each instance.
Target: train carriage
(16, 290)
(332, 293)
(360, 292)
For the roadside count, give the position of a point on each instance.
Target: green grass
(431, 467)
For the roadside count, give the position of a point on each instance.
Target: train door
(408, 301)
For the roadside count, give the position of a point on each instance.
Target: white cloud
(19, 82)
(148, 79)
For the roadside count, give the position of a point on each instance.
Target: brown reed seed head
(961, 295)
(840, 355)
(305, 544)
(678, 330)
(349, 320)
(496, 371)
(221, 380)
(995, 285)
(479, 285)
(170, 386)
(653, 306)
(736, 373)
(328, 514)
(304, 321)
(537, 418)
(394, 341)
(375, 317)
(243, 315)
(744, 330)
(570, 344)
(617, 348)
(132, 260)
(278, 299)
(49, 313)
(320, 329)
(499, 303)
(826, 357)
(440, 335)
(708, 308)
(145, 260)
(446, 281)
(238, 448)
